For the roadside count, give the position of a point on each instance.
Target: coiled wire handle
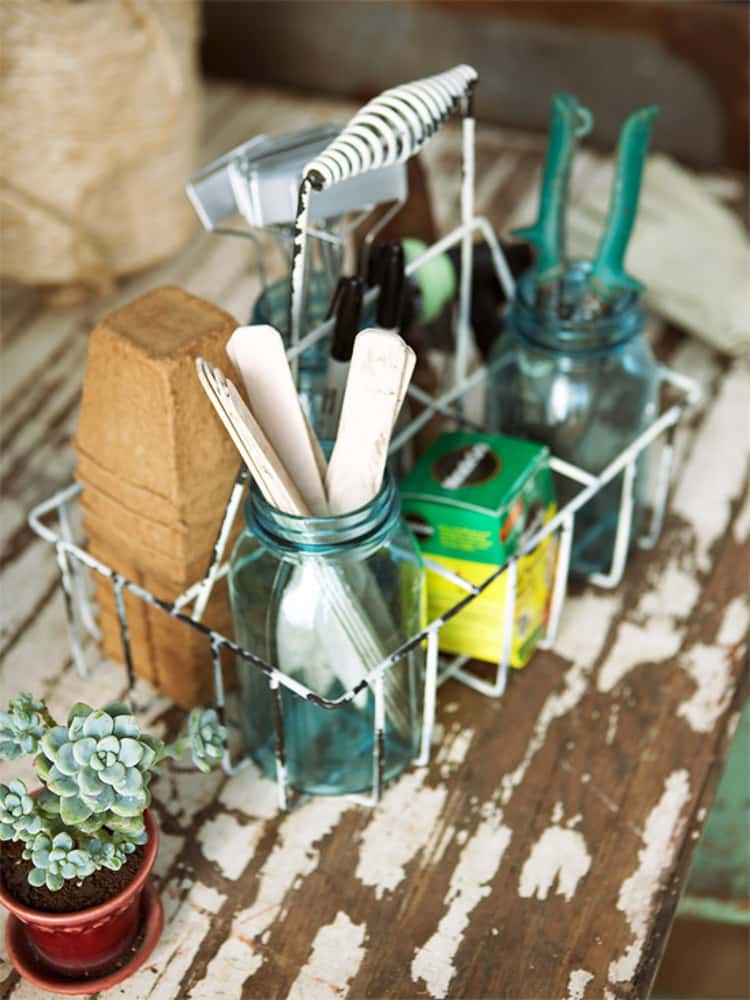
(390, 129)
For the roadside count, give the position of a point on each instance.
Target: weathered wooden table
(543, 851)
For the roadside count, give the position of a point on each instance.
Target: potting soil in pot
(91, 891)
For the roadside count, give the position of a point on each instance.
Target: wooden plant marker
(381, 366)
(257, 352)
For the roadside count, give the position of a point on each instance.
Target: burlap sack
(99, 114)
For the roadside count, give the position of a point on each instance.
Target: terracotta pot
(84, 944)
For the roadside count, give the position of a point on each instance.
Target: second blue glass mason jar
(325, 599)
(584, 387)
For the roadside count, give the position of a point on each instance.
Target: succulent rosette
(18, 818)
(56, 859)
(99, 763)
(207, 738)
(111, 853)
(21, 727)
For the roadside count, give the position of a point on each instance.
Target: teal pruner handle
(569, 121)
(607, 278)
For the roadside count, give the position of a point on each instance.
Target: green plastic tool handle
(607, 278)
(569, 121)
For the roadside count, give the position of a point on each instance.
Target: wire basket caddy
(389, 129)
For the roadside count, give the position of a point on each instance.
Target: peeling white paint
(477, 865)
(26, 577)
(401, 825)
(169, 847)
(337, 953)
(639, 890)
(709, 668)
(577, 983)
(732, 722)
(742, 522)
(228, 843)
(612, 723)
(437, 844)
(699, 362)
(250, 792)
(235, 961)
(105, 684)
(558, 812)
(656, 642)
(713, 476)
(735, 623)
(45, 636)
(205, 897)
(672, 592)
(488, 809)
(585, 625)
(559, 856)
(186, 925)
(183, 793)
(455, 747)
(293, 858)
(24, 990)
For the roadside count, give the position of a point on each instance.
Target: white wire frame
(71, 557)
(80, 618)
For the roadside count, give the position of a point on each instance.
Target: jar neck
(556, 329)
(358, 532)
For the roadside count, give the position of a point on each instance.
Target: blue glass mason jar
(584, 387)
(325, 599)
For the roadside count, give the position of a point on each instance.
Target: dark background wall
(689, 58)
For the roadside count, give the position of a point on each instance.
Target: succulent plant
(111, 853)
(55, 859)
(18, 818)
(21, 727)
(207, 738)
(95, 772)
(100, 763)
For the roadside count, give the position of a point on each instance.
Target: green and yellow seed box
(471, 500)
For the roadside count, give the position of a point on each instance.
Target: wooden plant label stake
(257, 353)
(382, 364)
(271, 476)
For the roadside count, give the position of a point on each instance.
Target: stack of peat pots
(157, 469)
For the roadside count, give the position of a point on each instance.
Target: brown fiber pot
(76, 949)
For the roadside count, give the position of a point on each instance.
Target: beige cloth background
(99, 124)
